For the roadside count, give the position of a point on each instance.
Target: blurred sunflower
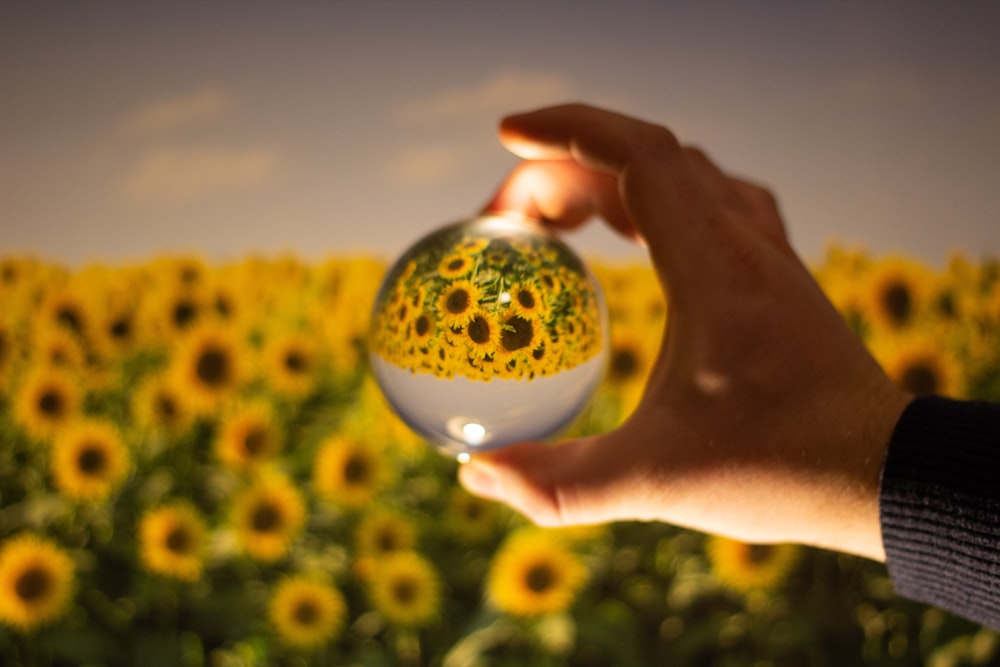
(59, 348)
(350, 471)
(481, 335)
(897, 293)
(291, 363)
(471, 519)
(248, 436)
(268, 516)
(66, 308)
(116, 331)
(36, 581)
(534, 573)
(47, 400)
(89, 460)
(159, 406)
(921, 365)
(746, 567)
(382, 531)
(209, 365)
(305, 612)
(172, 541)
(406, 589)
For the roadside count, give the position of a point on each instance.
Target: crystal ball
(488, 332)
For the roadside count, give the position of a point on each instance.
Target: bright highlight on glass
(488, 332)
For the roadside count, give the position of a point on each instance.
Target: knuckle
(658, 143)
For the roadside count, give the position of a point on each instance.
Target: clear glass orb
(488, 332)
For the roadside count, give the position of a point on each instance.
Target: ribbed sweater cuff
(940, 506)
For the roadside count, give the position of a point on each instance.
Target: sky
(328, 128)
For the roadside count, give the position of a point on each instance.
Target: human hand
(764, 417)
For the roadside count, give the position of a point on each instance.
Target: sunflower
(534, 573)
(746, 567)
(471, 519)
(67, 309)
(481, 335)
(7, 353)
(517, 337)
(383, 531)
(921, 365)
(526, 300)
(457, 303)
(406, 589)
(267, 516)
(306, 613)
(173, 539)
(159, 406)
(36, 582)
(116, 332)
(349, 471)
(291, 363)
(57, 347)
(248, 436)
(48, 400)
(897, 293)
(424, 329)
(455, 265)
(209, 364)
(89, 460)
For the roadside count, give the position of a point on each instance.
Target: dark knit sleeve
(940, 506)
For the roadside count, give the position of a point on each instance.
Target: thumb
(574, 482)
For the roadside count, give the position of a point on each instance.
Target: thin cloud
(502, 92)
(171, 113)
(172, 174)
(422, 166)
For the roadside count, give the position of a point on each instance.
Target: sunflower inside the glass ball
(495, 301)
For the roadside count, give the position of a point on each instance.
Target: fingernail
(480, 479)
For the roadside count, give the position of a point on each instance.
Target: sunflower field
(196, 468)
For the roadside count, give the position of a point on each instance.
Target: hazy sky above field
(128, 129)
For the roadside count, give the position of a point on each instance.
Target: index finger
(659, 190)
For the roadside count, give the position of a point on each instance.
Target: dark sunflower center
(120, 329)
(456, 264)
(479, 330)
(306, 612)
(295, 362)
(189, 275)
(404, 591)
(538, 353)
(9, 274)
(946, 305)
(517, 334)
(540, 578)
(458, 302)
(34, 584)
(70, 319)
(184, 313)
(403, 310)
(166, 408)
(265, 518)
(356, 470)
(223, 307)
(92, 460)
(179, 540)
(898, 303)
(548, 281)
(473, 511)
(623, 364)
(757, 554)
(526, 299)
(255, 442)
(3, 347)
(387, 540)
(423, 325)
(51, 403)
(920, 379)
(212, 367)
